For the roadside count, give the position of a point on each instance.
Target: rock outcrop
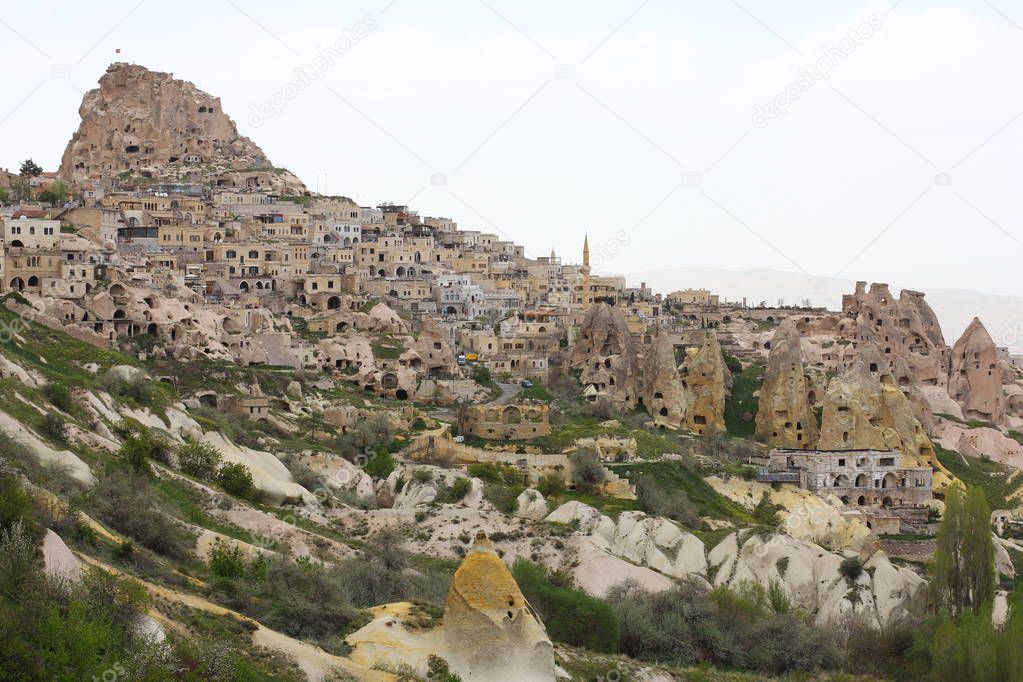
(607, 356)
(975, 380)
(707, 382)
(491, 631)
(141, 120)
(865, 411)
(785, 416)
(883, 594)
(905, 328)
(663, 395)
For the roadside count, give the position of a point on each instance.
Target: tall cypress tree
(964, 561)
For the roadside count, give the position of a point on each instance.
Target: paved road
(508, 393)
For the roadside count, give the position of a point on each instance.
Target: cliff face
(144, 121)
(785, 417)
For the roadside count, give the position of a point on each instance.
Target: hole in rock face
(510, 615)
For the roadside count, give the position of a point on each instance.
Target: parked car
(526, 383)
(459, 439)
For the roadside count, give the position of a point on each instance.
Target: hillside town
(213, 299)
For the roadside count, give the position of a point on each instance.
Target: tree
(21, 188)
(30, 168)
(4, 195)
(55, 193)
(587, 471)
(200, 460)
(964, 560)
(236, 480)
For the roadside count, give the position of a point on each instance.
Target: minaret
(585, 270)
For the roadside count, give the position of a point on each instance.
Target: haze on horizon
(645, 124)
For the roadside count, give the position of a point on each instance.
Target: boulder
(530, 504)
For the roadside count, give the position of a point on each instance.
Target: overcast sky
(876, 141)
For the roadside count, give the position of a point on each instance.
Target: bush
(497, 474)
(851, 568)
(236, 480)
(571, 615)
(455, 492)
(422, 475)
(587, 471)
(59, 396)
(128, 503)
(727, 628)
(766, 512)
(550, 485)
(481, 375)
(226, 562)
(200, 460)
(55, 427)
(658, 501)
(380, 465)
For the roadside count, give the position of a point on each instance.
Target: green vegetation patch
(742, 401)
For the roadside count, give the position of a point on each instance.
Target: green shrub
(200, 460)
(128, 502)
(498, 474)
(380, 465)
(59, 396)
(657, 500)
(422, 475)
(236, 479)
(587, 471)
(55, 427)
(571, 615)
(550, 485)
(851, 568)
(766, 512)
(227, 562)
(455, 492)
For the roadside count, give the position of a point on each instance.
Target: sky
(858, 140)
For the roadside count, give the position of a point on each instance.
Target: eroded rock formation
(707, 383)
(491, 631)
(663, 395)
(139, 120)
(785, 417)
(903, 328)
(866, 410)
(606, 355)
(975, 380)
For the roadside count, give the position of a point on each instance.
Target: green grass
(744, 385)
(387, 349)
(611, 506)
(969, 423)
(675, 476)
(536, 392)
(991, 476)
(57, 356)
